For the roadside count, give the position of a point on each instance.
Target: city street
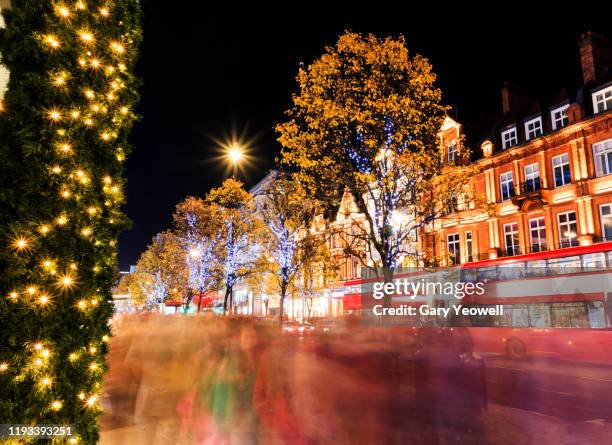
(204, 380)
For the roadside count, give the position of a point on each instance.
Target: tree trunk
(200, 303)
(188, 303)
(227, 299)
(388, 276)
(282, 301)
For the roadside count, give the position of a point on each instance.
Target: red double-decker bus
(555, 304)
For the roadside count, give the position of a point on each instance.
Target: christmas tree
(63, 138)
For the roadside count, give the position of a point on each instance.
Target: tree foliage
(366, 119)
(199, 227)
(290, 244)
(240, 232)
(67, 114)
(160, 271)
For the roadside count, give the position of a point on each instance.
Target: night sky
(207, 73)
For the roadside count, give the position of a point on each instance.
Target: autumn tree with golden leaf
(366, 119)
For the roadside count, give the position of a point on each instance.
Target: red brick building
(544, 168)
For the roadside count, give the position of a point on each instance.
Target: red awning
(173, 303)
(352, 302)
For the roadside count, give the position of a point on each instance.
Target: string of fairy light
(98, 112)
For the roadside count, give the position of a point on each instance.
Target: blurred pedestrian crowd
(236, 381)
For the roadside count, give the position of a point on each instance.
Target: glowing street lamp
(235, 153)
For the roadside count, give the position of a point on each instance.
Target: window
(568, 264)
(602, 100)
(507, 185)
(558, 116)
(509, 138)
(454, 248)
(539, 316)
(532, 177)
(537, 231)
(533, 128)
(603, 157)
(561, 170)
(568, 229)
(469, 246)
(569, 315)
(452, 151)
(606, 221)
(512, 239)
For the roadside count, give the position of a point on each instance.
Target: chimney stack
(514, 99)
(595, 57)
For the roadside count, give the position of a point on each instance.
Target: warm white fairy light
(59, 80)
(54, 115)
(87, 36)
(56, 405)
(43, 300)
(4, 367)
(21, 244)
(117, 47)
(66, 281)
(52, 41)
(62, 220)
(62, 11)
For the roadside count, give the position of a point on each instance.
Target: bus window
(610, 259)
(594, 260)
(569, 315)
(469, 275)
(520, 317)
(539, 316)
(506, 319)
(536, 268)
(568, 264)
(487, 273)
(596, 314)
(510, 271)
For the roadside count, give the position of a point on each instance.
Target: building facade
(544, 171)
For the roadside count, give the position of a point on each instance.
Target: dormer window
(452, 151)
(533, 128)
(558, 117)
(602, 100)
(509, 138)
